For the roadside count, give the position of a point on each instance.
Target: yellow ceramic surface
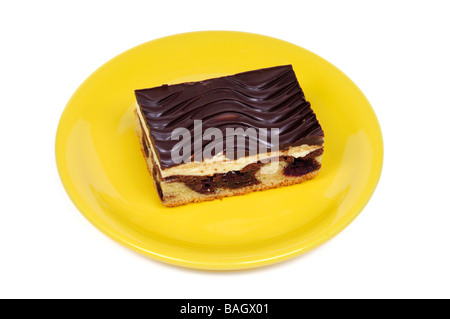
(104, 172)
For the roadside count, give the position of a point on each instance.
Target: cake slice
(228, 136)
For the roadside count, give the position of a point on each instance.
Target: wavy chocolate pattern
(265, 98)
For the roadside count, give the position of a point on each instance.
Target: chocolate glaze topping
(265, 98)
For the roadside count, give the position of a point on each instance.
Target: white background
(397, 52)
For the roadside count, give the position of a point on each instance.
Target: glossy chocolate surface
(265, 98)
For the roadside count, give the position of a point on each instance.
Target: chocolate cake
(265, 135)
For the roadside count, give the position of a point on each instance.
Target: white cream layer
(219, 164)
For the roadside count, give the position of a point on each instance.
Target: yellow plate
(104, 173)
